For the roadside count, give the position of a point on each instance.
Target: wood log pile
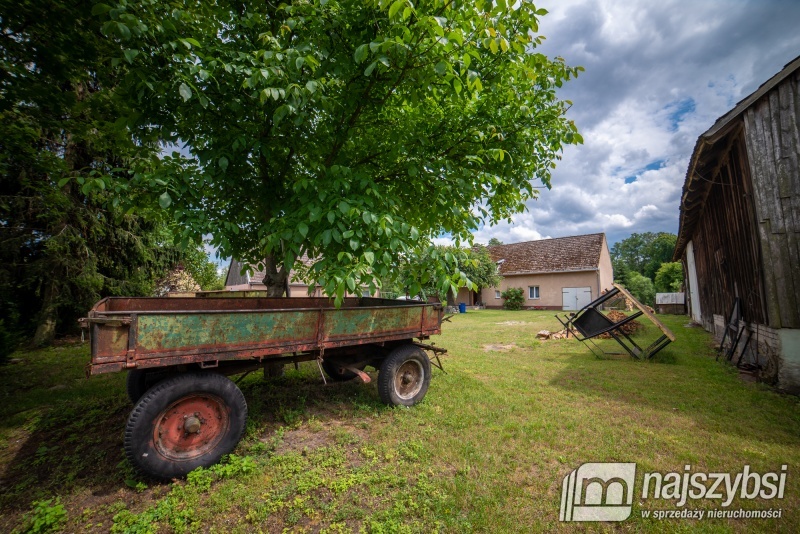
(547, 334)
(629, 327)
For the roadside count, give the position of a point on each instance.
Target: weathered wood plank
(770, 284)
(782, 267)
(790, 188)
(771, 142)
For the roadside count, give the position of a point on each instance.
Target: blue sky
(658, 74)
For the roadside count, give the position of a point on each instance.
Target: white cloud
(658, 74)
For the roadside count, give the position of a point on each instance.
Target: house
(565, 273)
(739, 236)
(238, 281)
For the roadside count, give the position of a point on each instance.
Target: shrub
(641, 287)
(45, 516)
(513, 298)
(669, 277)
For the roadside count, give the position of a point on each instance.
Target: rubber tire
(139, 381)
(140, 445)
(388, 371)
(337, 374)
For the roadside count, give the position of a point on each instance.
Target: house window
(497, 293)
(366, 293)
(533, 292)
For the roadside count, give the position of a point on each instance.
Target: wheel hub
(409, 379)
(191, 426)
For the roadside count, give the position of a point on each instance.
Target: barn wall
(725, 244)
(773, 148)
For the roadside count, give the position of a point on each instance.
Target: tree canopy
(65, 240)
(353, 131)
(643, 253)
(669, 277)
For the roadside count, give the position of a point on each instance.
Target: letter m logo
(598, 492)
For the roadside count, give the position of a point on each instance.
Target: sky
(658, 74)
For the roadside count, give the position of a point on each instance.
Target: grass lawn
(486, 450)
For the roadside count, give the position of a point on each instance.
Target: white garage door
(575, 298)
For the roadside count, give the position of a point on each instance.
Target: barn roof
(710, 145)
(575, 253)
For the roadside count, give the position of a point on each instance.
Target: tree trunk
(48, 316)
(451, 297)
(276, 279)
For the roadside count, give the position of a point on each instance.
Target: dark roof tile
(575, 253)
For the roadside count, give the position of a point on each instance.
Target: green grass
(485, 451)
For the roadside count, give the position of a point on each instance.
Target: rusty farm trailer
(178, 351)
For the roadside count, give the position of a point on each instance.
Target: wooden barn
(739, 237)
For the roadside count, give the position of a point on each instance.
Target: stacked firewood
(547, 334)
(629, 328)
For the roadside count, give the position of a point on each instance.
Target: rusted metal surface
(132, 333)
(191, 427)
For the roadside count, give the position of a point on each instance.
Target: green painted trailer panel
(355, 322)
(178, 331)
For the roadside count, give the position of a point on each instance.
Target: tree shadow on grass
(691, 384)
(76, 446)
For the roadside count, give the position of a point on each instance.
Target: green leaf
(396, 6)
(441, 68)
(62, 182)
(99, 9)
(130, 55)
(351, 284)
(354, 244)
(361, 53)
(370, 257)
(223, 163)
(344, 207)
(370, 68)
(303, 229)
(191, 41)
(165, 200)
(185, 91)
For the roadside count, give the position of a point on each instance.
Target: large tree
(353, 131)
(65, 241)
(642, 253)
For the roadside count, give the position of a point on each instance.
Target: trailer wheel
(404, 376)
(338, 373)
(185, 422)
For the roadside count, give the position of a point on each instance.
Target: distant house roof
(575, 253)
(234, 277)
(708, 148)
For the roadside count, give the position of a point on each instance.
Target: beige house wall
(606, 268)
(550, 287)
